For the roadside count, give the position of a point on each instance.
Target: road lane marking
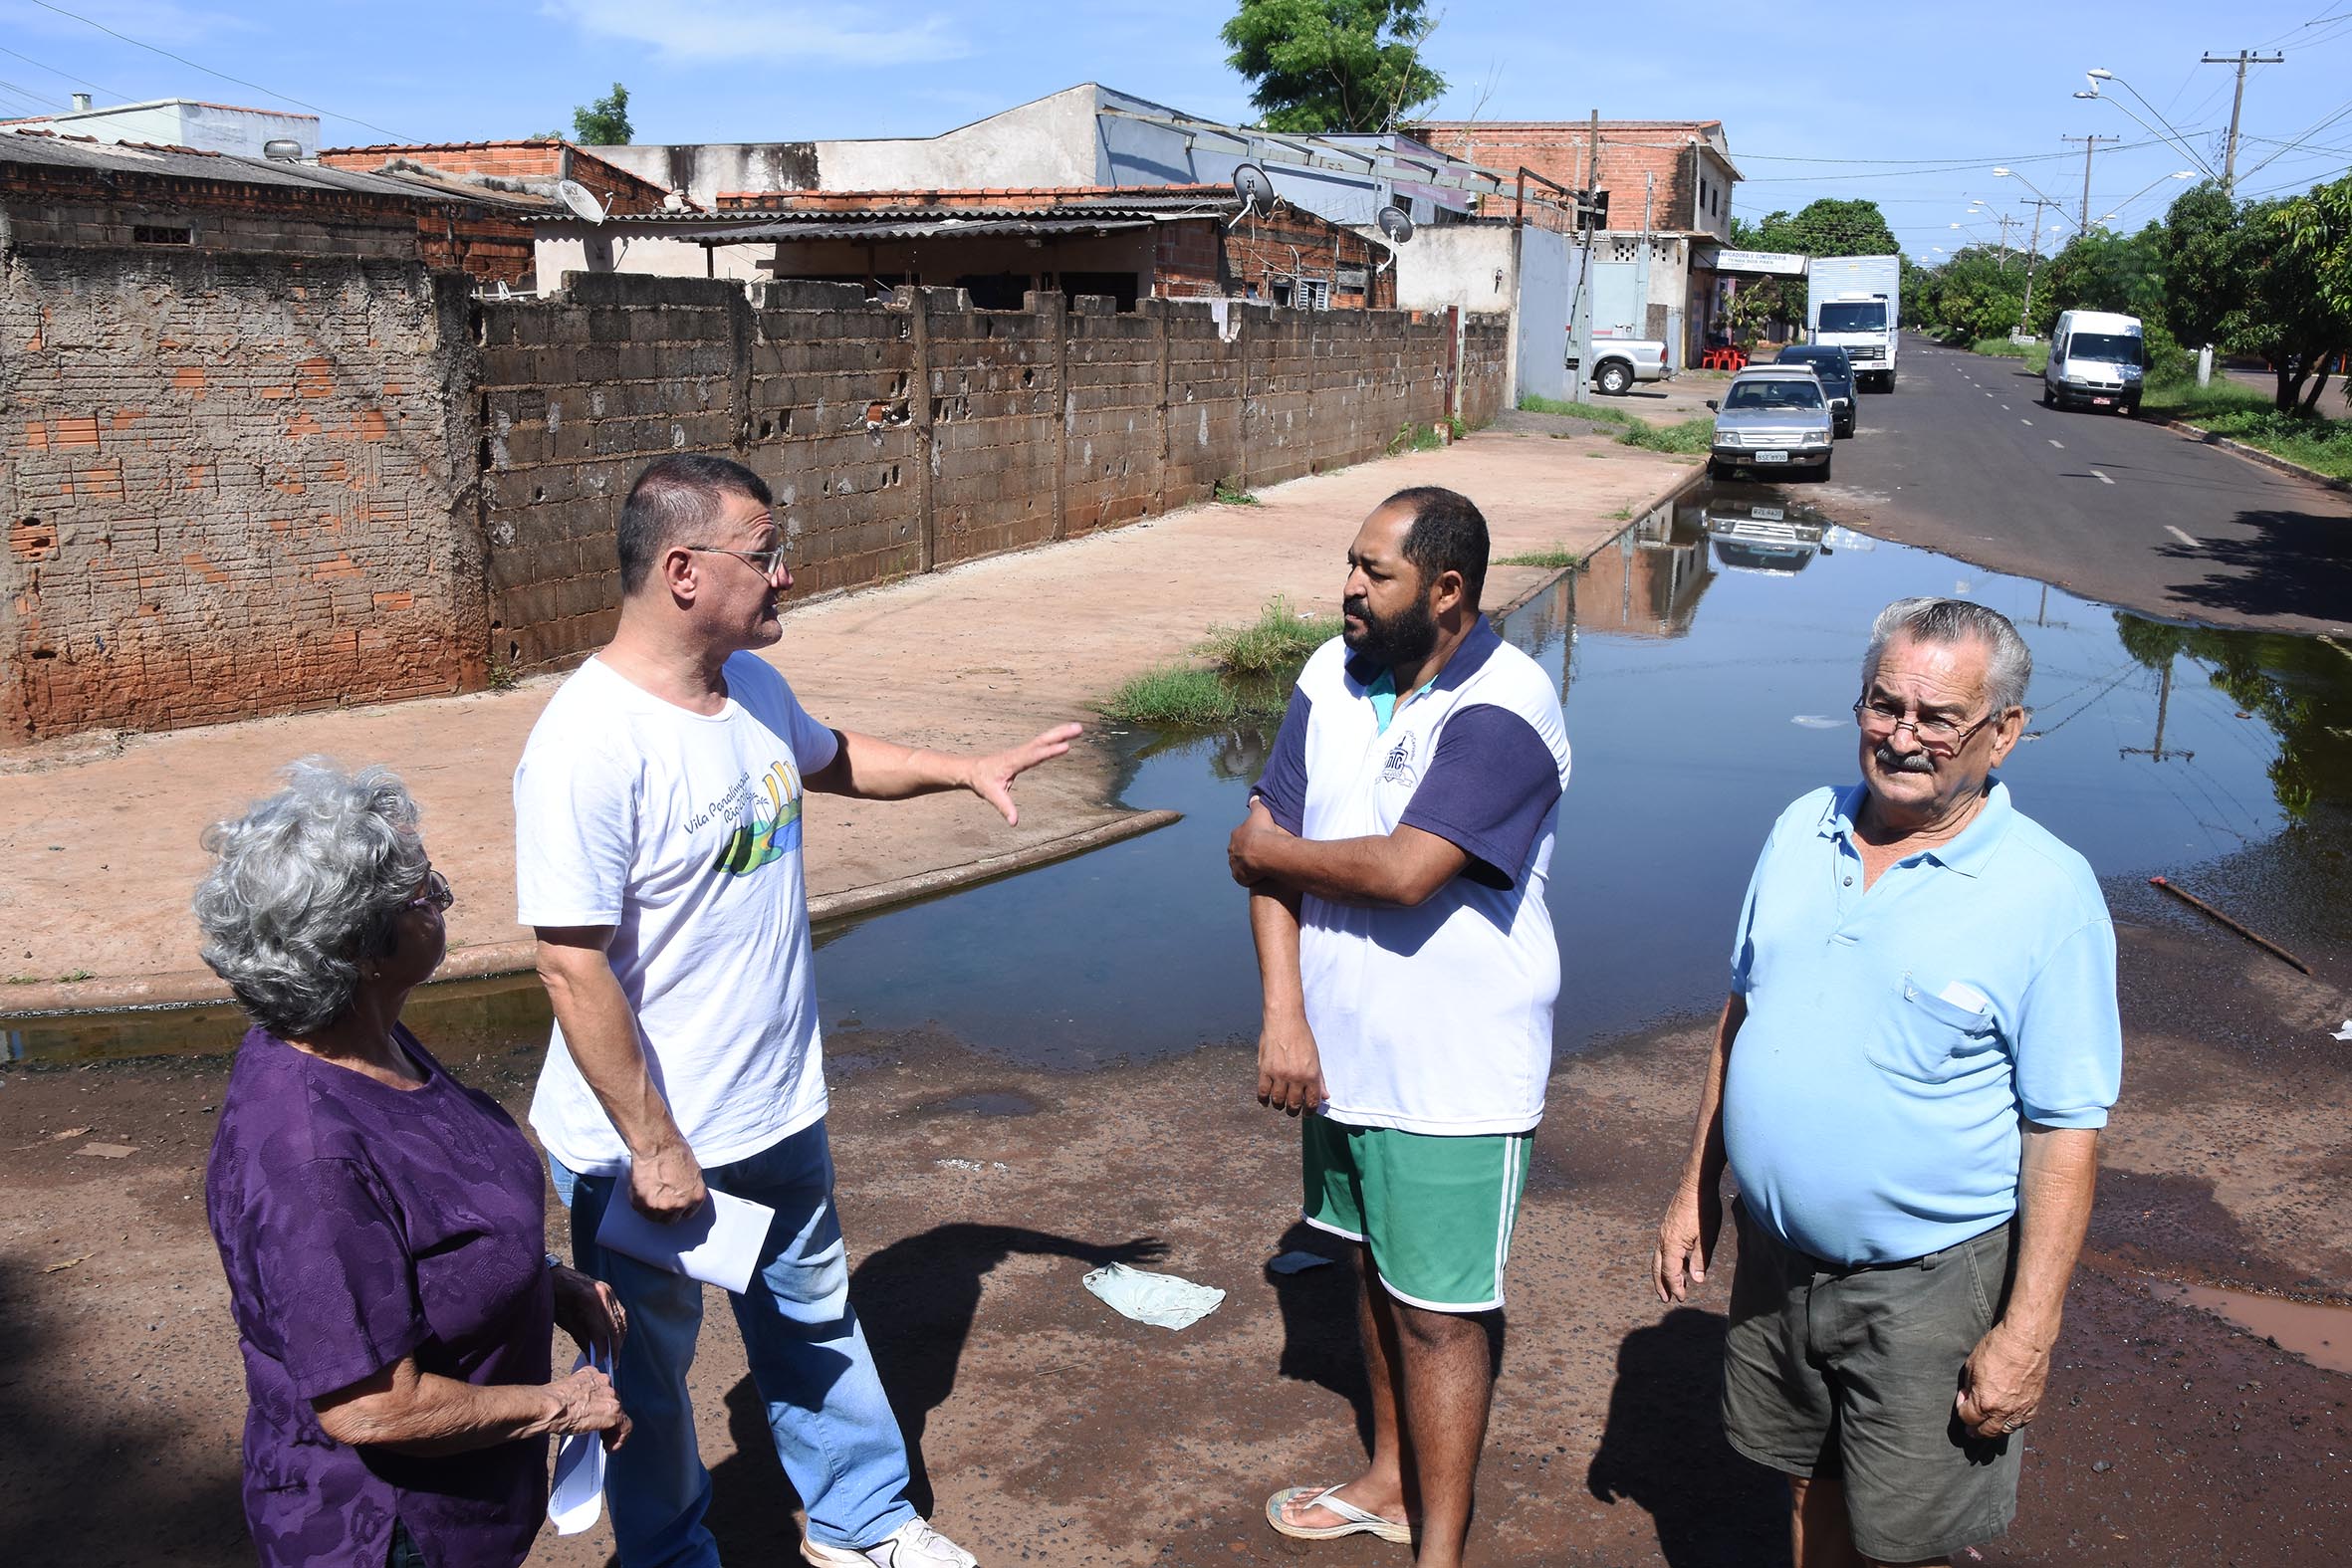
(2004, 408)
(2060, 445)
(2183, 537)
(2101, 478)
(2022, 419)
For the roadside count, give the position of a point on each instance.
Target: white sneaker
(913, 1544)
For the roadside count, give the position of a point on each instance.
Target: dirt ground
(1050, 1430)
(98, 835)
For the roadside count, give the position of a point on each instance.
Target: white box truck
(1855, 303)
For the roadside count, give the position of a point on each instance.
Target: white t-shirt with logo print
(682, 832)
(1434, 1018)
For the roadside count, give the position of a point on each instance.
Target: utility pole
(2032, 253)
(2242, 60)
(2164, 702)
(2005, 221)
(2091, 144)
(1581, 326)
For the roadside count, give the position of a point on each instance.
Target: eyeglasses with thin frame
(767, 562)
(437, 894)
(1940, 736)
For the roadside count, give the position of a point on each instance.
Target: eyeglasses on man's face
(437, 895)
(1944, 737)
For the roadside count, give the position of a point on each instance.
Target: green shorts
(1435, 1210)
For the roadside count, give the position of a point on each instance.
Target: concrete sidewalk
(99, 845)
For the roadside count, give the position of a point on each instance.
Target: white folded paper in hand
(578, 1494)
(719, 1246)
(1163, 1300)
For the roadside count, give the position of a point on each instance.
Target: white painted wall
(1468, 265)
(184, 123)
(559, 248)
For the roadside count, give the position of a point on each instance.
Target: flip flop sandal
(1359, 1522)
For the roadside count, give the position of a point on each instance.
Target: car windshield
(2107, 348)
(1867, 315)
(1830, 367)
(1784, 393)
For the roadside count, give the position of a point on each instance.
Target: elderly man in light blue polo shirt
(1908, 1080)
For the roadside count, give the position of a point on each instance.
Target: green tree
(2202, 256)
(2100, 271)
(2304, 288)
(1978, 293)
(1827, 227)
(606, 122)
(1334, 64)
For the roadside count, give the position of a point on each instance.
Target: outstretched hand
(993, 775)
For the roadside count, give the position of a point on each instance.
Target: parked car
(2097, 359)
(1619, 362)
(1835, 372)
(1772, 417)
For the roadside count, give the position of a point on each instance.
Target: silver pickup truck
(1619, 362)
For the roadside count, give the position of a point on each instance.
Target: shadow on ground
(1663, 1451)
(2296, 563)
(122, 1490)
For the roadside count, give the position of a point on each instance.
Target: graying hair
(1946, 622)
(305, 886)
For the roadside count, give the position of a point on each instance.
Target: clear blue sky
(1809, 93)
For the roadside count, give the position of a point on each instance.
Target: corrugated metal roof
(776, 232)
(139, 157)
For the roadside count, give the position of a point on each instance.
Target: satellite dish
(1255, 186)
(572, 193)
(1395, 223)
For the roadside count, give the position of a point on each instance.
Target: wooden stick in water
(2262, 942)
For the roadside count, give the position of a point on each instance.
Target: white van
(2097, 359)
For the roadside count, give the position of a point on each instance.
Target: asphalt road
(1963, 458)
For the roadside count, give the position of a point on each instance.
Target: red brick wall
(1560, 150)
(232, 485)
(1200, 257)
(906, 434)
(513, 161)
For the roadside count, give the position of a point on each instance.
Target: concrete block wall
(905, 434)
(232, 485)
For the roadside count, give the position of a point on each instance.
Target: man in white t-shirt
(657, 829)
(1398, 850)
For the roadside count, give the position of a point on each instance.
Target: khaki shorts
(1850, 1373)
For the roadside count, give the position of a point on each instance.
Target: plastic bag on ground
(1163, 1300)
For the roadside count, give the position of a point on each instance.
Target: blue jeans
(833, 1424)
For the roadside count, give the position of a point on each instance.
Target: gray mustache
(1895, 761)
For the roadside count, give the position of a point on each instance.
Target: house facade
(1670, 184)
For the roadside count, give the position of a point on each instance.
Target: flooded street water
(1707, 660)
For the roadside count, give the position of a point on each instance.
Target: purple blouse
(360, 1224)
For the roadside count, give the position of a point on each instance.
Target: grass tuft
(1230, 494)
(1556, 558)
(1247, 681)
(1275, 643)
(1174, 697)
(1692, 437)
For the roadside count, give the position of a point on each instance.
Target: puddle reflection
(1705, 658)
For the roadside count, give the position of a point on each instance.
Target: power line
(68, 75)
(222, 75)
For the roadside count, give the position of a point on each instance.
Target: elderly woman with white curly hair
(382, 1227)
